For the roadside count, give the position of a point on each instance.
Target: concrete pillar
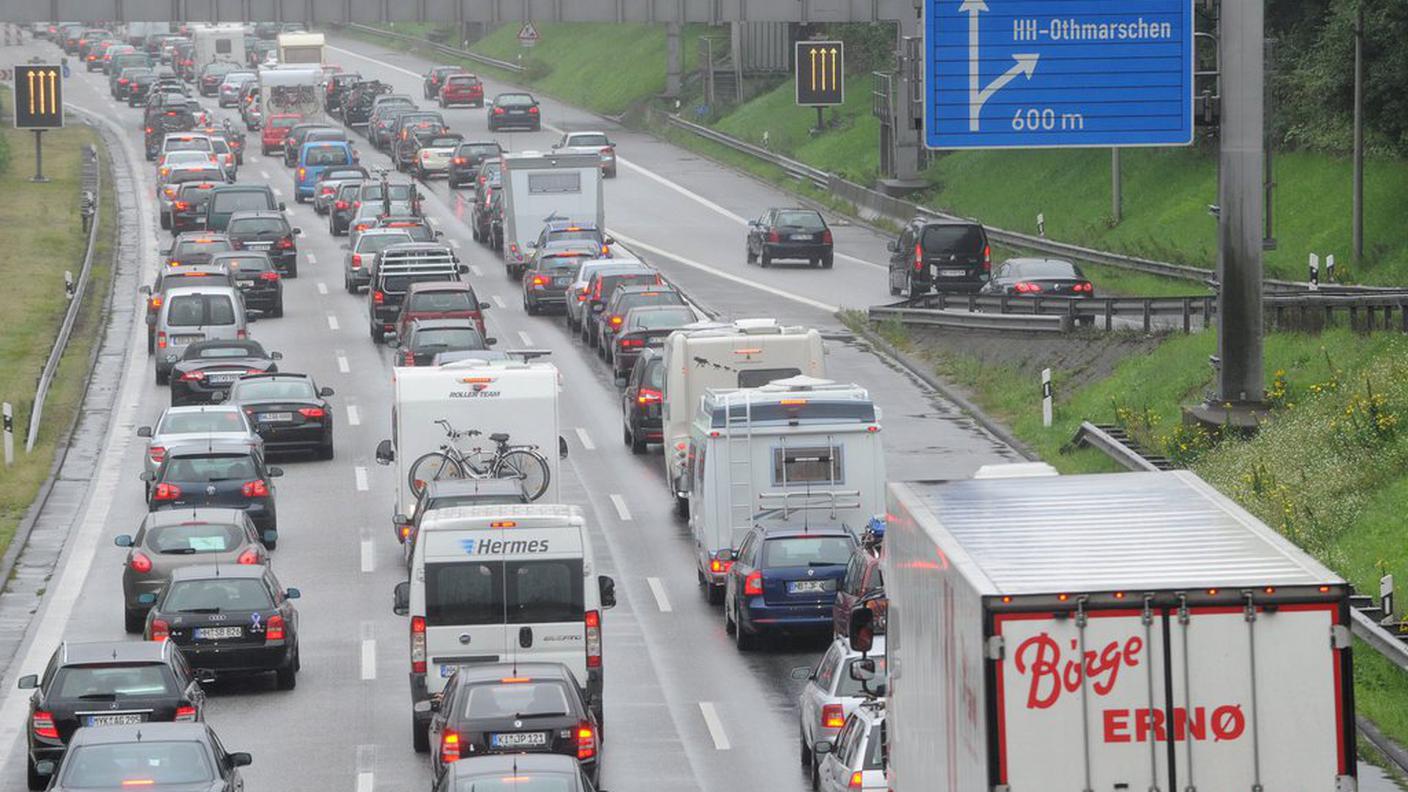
(908, 129)
(674, 60)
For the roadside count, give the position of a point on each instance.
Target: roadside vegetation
(44, 237)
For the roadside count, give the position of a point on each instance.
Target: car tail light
(606, 150)
(248, 557)
(160, 339)
(44, 725)
(161, 630)
(166, 492)
(773, 236)
(457, 160)
(139, 563)
(833, 716)
(826, 236)
(539, 281)
(987, 258)
(193, 376)
(181, 206)
(149, 130)
(646, 396)
(275, 629)
(378, 297)
(121, 80)
(586, 741)
(449, 746)
(857, 777)
(156, 453)
(409, 359)
(340, 204)
(1025, 287)
(615, 321)
(356, 261)
(312, 412)
(498, 111)
(285, 244)
(269, 276)
(417, 644)
(593, 622)
(717, 566)
(918, 258)
(185, 712)
(753, 584)
(302, 172)
(532, 111)
(1086, 287)
(255, 489)
(242, 334)
(327, 190)
(632, 343)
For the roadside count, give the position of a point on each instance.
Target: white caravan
(291, 90)
(211, 43)
(540, 187)
(301, 48)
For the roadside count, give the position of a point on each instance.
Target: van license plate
(807, 586)
(519, 740)
(186, 339)
(125, 719)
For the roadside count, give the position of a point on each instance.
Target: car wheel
(814, 771)
(326, 450)
(828, 260)
(806, 750)
(420, 737)
(530, 308)
(682, 507)
(33, 777)
(165, 221)
(744, 640)
(279, 308)
(162, 379)
(730, 627)
(474, 232)
(752, 257)
(764, 260)
(895, 291)
(637, 443)
(134, 621)
(292, 272)
(712, 593)
(286, 676)
(377, 337)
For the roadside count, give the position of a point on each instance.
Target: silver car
(215, 422)
(855, 759)
(576, 293)
(831, 694)
(362, 253)
(197, 313)
(232, 86)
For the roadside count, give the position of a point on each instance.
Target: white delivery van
(745, 353)
(503, 584)
(540, 187)
(211, 43)
(301, 48)
(516, 396)
(291, 90)
(794, 445)
(1103, 632)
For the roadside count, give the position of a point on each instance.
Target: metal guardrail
(438, 47)
(92, 175)
(1026, 322)
(1100, 439)
(798, 170)
(1381, 640)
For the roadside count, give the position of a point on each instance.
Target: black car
(256, 278)
(215, 473)
(288, 410)
(465, 162)
(640, 401)
(227, 199)
(180, 757)
(208, 83)
(643, 326)
(602, 287)
(548, 275)
(528, 772)
(231, 619)
(612, 319)
(433, 79)
(196, 247)
(939, 255)
(266, 231)
(514, 110)
(342, 206)
(207, 368)
(188, 206)
(358, 104)
(798, 234)
(104, 684)
(1034, 277)
(488, 208)
(165, 122)
(497, 708)
(430, 337)
(337, 89)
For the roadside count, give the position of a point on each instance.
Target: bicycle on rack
(522, 462)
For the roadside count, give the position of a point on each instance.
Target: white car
(591, 142)
(214, 422)
(577, 292)
(856, 758)
(832, 694)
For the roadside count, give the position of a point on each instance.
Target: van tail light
(378, 297)
(773, 236)
(918, 258)
(269, 276)
(593, 623)
(586, 741)
(449, 746)
(648, 396)
(1025, 287)
(826, 237)
(43, 722)
(185, 713)
(753, 584)
(249, 557)
(139, 563)
(241, 334)
(161, 630)
(160, 339)
(417, 644)
(302, 173)
(857, 779)
(719, 567)
(275, 629)
(255, 489)
(832, 716)
(165, 492)
(987, 258)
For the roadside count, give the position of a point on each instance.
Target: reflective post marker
(1046, 397)
(1330, 268)
(1386, 596)
(9, 413)
(1314, 272)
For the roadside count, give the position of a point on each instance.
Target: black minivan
(940, 255)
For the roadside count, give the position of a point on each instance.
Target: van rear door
(546, 612)
(464, 602)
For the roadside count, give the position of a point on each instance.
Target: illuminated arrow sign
(820, 71)
(39, 102)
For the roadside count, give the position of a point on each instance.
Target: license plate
(519, 739)
(186, 339)
(275, 417)
(217, 633)
(222, 379)
(952, 273)
(801, 237)
(447, 671)
(259, 245)
(808, 586)
(125, 719)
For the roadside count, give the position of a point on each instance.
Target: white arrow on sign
(977, 97)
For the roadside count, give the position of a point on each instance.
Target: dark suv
(939, 255)
(266, 231)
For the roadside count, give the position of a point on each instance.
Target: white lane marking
(366, 782)
(474, 268)
(342, 365)
(322, 287)
(391, 66)
(332, 322)
(725, 275)
(264, 174)
(312, 259)
(523, 336)
(622, 510)
(716, 726)
(354, 418)
(455, 243)
(368, 556)
(658, 589)
(359, 473)
(499, 301)
(586, 439)
(368, 672)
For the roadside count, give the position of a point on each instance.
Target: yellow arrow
(41, 92)
(31, 92)
(53, 92)
(813, 54)
(834, 84)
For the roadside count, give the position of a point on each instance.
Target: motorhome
(216, 43)
(540, 187)
(799, 448)
(744, 353)
(290, 90)
(301, 49)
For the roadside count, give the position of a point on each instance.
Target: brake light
(327, 190)
(753, 584)
(302, 172)
(719, 567)
(157, 453)
(185, 713)
(139, 563)
(632, 343)
(285, 244)
(498, 111)
(648, 395)
(241, 334)
(356, 261)
(44, 725)
(161, 339)
(615, 321)
(275, 630)
(833, 716)
(165, 492)
(312, 412)
(193, 376)
(773, 236)
(857, 778)
(457, 160)
(826, 237)
(1086, 287)
(248, 557)
(918, 258)
(181, 206)
(533, 111)
(539, 281)
(417, 644)
(593, 623)
(378, 297)
(586, 741)
(1025, 287)
(149, 130)
(121, 80)
(255, 489)
(269, 276)
(161, 630)
(449, 746)
(987, 258)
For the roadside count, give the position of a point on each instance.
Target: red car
(439, 300)
(465, 89)
(275, 131)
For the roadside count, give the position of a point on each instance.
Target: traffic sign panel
(1037, 73)
(820, 68)
(528, 34)
(39, 100)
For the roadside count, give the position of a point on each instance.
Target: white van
(795, 445)
(745, 353)
(197, 313)
(502, 584)
(539, 187)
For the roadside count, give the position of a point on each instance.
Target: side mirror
(276, 356)
(275, 472)
(610, 240)
(122, 540)
(325, 391)
(561, 447)
(400, 519)
(293, 593)
(385, 453)
(462, 269)
(428, 705)
(29, 682)
(607, 589)
(283, 207)
(270, 536)
(861, 632)
(401, 598)
(390, 339)
(439, 233)
(488, 342)
(801, 673)
(146, 598)
(297, 231)
(166, 251)
(251, 316)
(144, 290)
(147, 476)
(598, 307)
(822, 747)
(483, 306)
(144, 431)
(241, 760)
(863, 670)
(891, 246)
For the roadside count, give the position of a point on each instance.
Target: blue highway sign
(1058, 73)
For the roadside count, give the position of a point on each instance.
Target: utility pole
(1358, 222)
(1116, 193)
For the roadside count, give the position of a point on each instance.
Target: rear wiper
(227, 478)
(526, 715)
(825, 563)
(199, 610)
(178, 551)
(98, 697)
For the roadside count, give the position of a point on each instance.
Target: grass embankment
(44, 236)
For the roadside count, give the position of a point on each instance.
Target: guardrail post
(1071, 312)
(972, 303)
(1353, 316)
(1109, 314)
(1187, 315)
(1003, 306)
(1148, 316)
(1207, 312)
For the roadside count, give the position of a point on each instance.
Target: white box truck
(211, 43)
(301, 49)
(744, 353)
(539, 187)
(1130, 631)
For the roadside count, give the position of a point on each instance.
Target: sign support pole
(39, 176)
(1116, 195)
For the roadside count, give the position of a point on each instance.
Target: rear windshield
(250, 265)
(201, 422)
(285, 123)
(449, 338)
(195, 175)
(1045, 268)
(211, 468)
(399, 192)
(655, 320)
(589, 140)
(629, 301)
(654, 376)
(194, 537)
(583, 234)
(326, 155)
(258, 225)
(274, 389)
(478, 150)
(439, 301)
(230, 594)
(810, 221)
(399, 283)
(138, 764)
(513, 99)
(220, 352)
(757, 378)
(195, 193)
(803, 551)
(966, 239)
(234, 201)
(375, 243)
(188, 144)
(194, 310)
(442, 142)
(519, 782)
(497, 592)
(96, 682)
(463, 79)
(517, 700)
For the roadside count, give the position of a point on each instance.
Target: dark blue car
(784, 579)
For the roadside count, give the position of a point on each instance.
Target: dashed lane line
(586, 439)
(715, 726)
(658, 589)
(622, 510)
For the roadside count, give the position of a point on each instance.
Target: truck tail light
(378, 297)
(753, 584)
(161, 339)
(593, 625)
(417, 644)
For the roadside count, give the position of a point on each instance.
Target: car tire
(828, 261)
(35, 780)
(806, 750)
(279, 308)
(729, 626)
(292, 272)
(165, 221)
(271, 546)
(637, 443)
(744, 640)
(681, 507)
(713, 594)
(162, 379)
(420, 737)
(752, 257)
(474, 232)
(325, 451)
(764, 260)
(895, 291)
(530, 308)
(134, 621)
(377, 337)
(286, 676)
(814, 775)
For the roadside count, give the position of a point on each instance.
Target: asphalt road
(687, 711)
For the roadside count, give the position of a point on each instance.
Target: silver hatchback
(214, 422)
(197, 313)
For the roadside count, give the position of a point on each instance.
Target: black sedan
(525, 772)
(257, 279)
(514, 110)
(797, 234)
(465, 161)
(215, 473)
(207, 368)
(1035, 277)
(642, 327)
(430, 337)
(232, 619)
(105, 684)
(288, 410)
(497, 708)
(181, 757)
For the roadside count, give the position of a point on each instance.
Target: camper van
(291, 90)
(301, 48)
(742, 354)
(541, 187)
(799, 448)
(502, 584)
(217, 43)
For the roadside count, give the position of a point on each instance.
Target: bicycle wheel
(529, 467)
(433, 466)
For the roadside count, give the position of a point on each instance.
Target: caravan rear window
(498, 592)
(816, 465)
(556, 182)
(757, 378)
